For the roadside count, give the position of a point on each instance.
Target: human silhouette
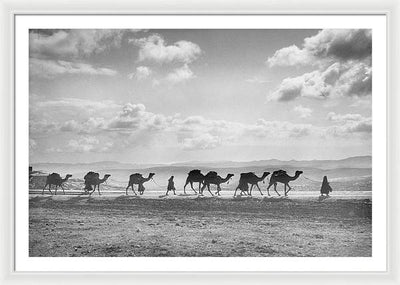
(325, 187)
(171, 185)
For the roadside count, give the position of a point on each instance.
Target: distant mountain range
(360, 162)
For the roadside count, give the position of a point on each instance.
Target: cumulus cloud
(340, 44)
(87, 144)
(134, 117)
(327, 46)
(303, 112)
(202, 141)
(72, 43)
(91, 125)
(142, 72)
(180, 74)
(289, 56)
(52, 68)
(279, 129)
(134, 122)
(349, 124)
(154, 48)
(338, 79)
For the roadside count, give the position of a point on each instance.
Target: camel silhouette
(93, 179)
(55, 179)
(194, 176)
(282, 177)
(213, 178)
(138, 179)
(252, 179)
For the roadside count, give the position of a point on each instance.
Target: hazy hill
(351, 162)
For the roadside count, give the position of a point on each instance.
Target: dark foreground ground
(130, 226)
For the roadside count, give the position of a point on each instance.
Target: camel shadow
(242, 198)
(41, 198)
(167, 196)
(276, 199)
(78, 199)
(322, 198)
(204, 198)
(187, 195)
(126, 198)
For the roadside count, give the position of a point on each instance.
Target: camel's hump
(212, 173)
(194, 171)
(91, 175)
(279, 172)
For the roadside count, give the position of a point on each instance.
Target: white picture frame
(9, 10)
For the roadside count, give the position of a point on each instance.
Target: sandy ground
(74, 225)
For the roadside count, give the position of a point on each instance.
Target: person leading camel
(325, 187)
(171, 185)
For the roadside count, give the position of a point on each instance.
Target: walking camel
(194, 176)
(55, 179)
(282, 177)
(138, 179)
(213, 178)
(93, 179)
(252, 179)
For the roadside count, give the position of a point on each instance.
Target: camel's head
(151, 175)
(265, 174)
(68, 176)
(298, 172)
(230, 175)
(106, 176)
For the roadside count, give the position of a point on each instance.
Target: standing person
(171, 185)
(325, 187)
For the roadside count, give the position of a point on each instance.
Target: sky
(164, 96)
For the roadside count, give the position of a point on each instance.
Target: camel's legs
(56, 189)
(276, 191)
(184, 187)
(126, 190)
(234, 195)
(133, 189)
(269, 186)
(259, 190)
(251, 188)
(218, 190)
(191, 186)
(94, 189)
(202, 188)
(290, 188)
(62, 189)
(43, 189)
(208, 188)
(50, 190)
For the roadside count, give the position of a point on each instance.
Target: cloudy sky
(161, 96)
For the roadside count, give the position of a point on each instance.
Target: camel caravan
(247, 182)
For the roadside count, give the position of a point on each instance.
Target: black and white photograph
(200, 142)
